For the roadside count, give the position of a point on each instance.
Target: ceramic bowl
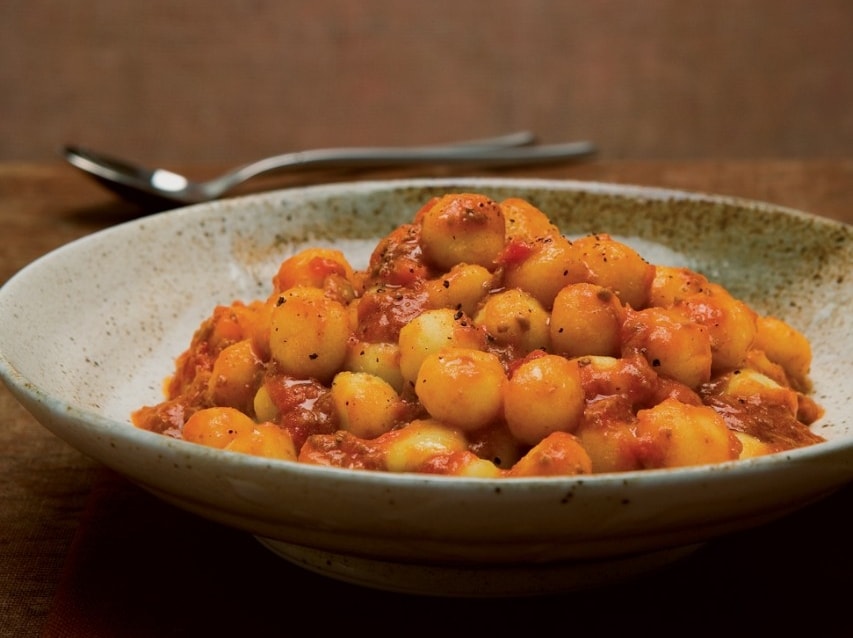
(90, 331)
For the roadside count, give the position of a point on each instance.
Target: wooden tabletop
(84, 552)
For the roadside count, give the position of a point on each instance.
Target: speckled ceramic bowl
(89, 332)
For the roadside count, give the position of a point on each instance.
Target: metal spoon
(164, 189)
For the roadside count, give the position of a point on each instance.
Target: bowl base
(476, 581)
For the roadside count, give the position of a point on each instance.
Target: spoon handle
(516, 138)
(472, 153)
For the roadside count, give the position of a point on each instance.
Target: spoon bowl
(162, 189)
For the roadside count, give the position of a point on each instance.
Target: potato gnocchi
(480, 341)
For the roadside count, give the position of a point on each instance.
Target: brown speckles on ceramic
(103, 319)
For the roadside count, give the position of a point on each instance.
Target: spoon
(166, 189)
(162, 189)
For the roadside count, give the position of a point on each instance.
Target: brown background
(231, 80)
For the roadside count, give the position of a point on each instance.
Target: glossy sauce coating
(480, 341)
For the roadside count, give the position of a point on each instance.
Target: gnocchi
(481, 342)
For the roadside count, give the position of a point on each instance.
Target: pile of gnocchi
(480, 341)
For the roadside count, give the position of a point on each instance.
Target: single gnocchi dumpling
(309, 333)
(609, 437)
(410, 448)
(462, 228)
(674, 346)
(515, 318)
(558, 454)
(543, 395)
(312, 267)
(235, 375)
(267, 440)
(463, 287)
(217, 427)
(461, 387)
(681, 435)
(543, 267)
(366, 404)
(672, 284)
(618, 267)
(525, 222)
(785, 345)
(586, 320)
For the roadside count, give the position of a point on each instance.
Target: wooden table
(85, 553)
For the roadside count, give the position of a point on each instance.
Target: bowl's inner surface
(103, 319)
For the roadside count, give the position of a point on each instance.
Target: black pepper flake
(656, 363)
(280, 300)
(313, 356)
(458, 315)
(446, 283)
